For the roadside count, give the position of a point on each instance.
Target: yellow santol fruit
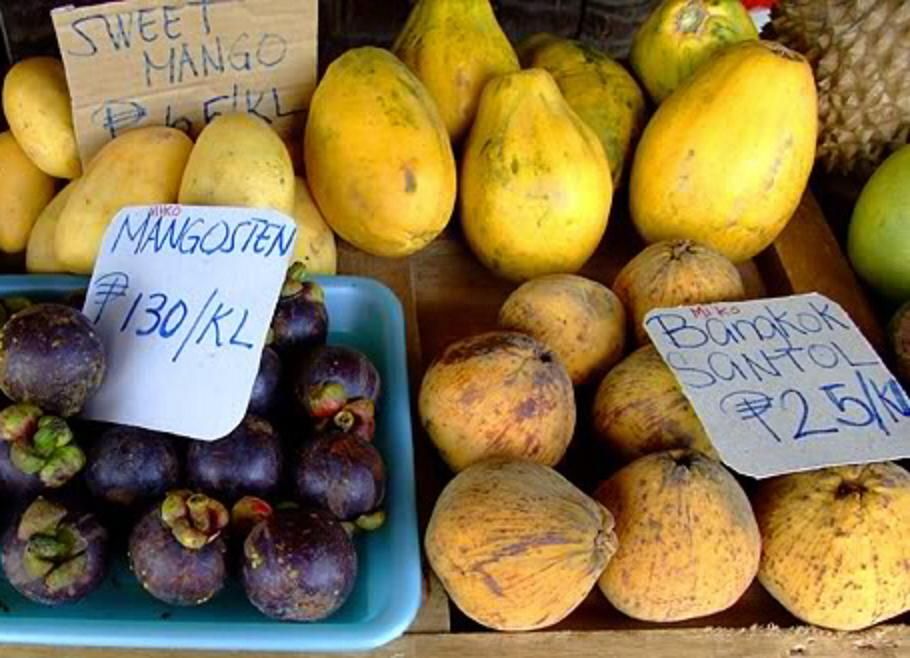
(41, 254)
(315, 245)
(238, 160)
(500, 394)
(25, 190)
(726, 158)
(140, 167)
(675, 273)
(378, 158)
(516, 545)
(535, 182)
(680, 35)
(38, 107)
(640, 408)
(601, 92)
(455, 47)
(688, 542)
(836, 544)
(581, 320)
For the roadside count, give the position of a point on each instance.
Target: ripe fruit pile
(189, 511)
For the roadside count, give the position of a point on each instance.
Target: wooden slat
(758, 642)
(806, 257)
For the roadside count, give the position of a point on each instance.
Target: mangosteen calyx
(194, 519)
(41, 445)
(327, 400)
(371, 521)
(247, 512)
(55, 552)
(357, 417)
(297, 282)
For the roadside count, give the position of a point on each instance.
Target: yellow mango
(38, 108)
(725, 160)
(238, 160)
(535, 183)
(378, 159)
(40, 254)
(455, 47)
(142, 166)
(315, 246)
(24, 192)
(601, 92)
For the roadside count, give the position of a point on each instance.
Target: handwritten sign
(784, 385)
(182, 297)
(181, 63)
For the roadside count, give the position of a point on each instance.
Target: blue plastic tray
(363, 314)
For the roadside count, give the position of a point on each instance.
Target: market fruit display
(878, 239)
(516, 545)
(41, 251)
(299, 565)
(603, 94)
(54, 553)
(24, 192)
(690, 179)
(142, 166)
(51, 356)
(535, 182)
(455, 47)
(498, 394)
(835, 549)
(680, 35)
(581, 320)
(130, 466)
(675, 273)
(315, 246)
(689, 544)
(640, 408)
(377, 154)
(177, 551)
(238, 160)
(858, 51)
(38, 108)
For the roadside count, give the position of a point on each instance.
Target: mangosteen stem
(344, 420)
(54, 551)
(194, 519)
(41, 445)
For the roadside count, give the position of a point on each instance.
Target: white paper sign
(182, 297)
(784, 385)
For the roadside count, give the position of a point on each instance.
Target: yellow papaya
(535, 182)
(601, 92)
(455, 47)
(378, 159)
(315, 246)
(680, 35)
(725, 160)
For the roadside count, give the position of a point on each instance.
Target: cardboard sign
(784, 385)
(181, 63)
(182, 298)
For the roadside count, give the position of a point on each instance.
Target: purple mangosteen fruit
(129, 466)
(301, 320)
(38, 451)
(266, 386)
(50, 356)
(177, 551)
(248, 461)
(343, 474)
(54, 554)
(299, 565)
